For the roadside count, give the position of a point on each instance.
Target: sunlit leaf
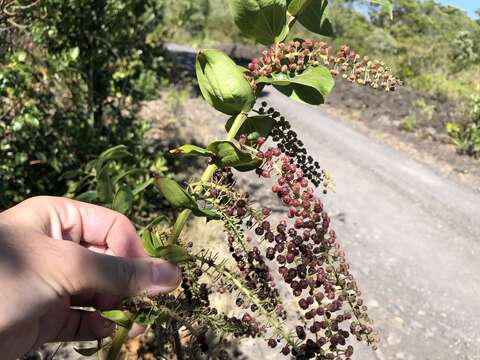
(175, 194)
(181, 199)
(74, 52)
(222, 83)
(296, 6)
(262, 20)
(310, 87)
(192, 150)
(148, 244)
(386, 4)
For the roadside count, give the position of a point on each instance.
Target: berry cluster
(294, 57)
(287, 142)
(304, 250)
(239, 216)
(312, 263)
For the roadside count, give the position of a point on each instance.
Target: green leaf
(191, 150)
(173, 253)
(284, 33)
(222, 83)
(148, 244)
(310, 87)
(147, 318)
(118, 317)
(113, 153)
(87, 351)
(175, 194)
(123, 200)
(253, 127)
(228, 154)
(313, 15)
(21, 56)
(126, 173)
(90, 165)
(74, 52)
(180, 199)
(262, 20)
(202, 212)
(252, 165)
(297, 6)
(152, 223)
(88, 196)
(142, 186)
(104, 186)
(70, 174)
(386, 5)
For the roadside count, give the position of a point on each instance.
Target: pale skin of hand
(56, 253)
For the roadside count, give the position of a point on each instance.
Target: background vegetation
(72, 76)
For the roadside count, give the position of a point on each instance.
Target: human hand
(56, 253)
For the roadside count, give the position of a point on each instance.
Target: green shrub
(409, 123)
(71, 86)
(467, 138)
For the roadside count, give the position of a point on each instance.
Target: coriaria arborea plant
(294, 57)
(271, 259)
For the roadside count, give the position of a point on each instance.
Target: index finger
(62, 218)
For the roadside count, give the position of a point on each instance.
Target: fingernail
(166, 274)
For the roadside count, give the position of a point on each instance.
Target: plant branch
(279, 328)
(121, 335)
(206, 176)
(118, 340)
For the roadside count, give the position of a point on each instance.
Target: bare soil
(381, 116)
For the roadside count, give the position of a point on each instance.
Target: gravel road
(412, 238)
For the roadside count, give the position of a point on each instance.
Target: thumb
(106, 274)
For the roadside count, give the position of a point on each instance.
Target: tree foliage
(432, 47)
(70, 84)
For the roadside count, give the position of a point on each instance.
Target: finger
(84, 271)
(83, 326)
(136, 330)
(94, 225)
(96, 301)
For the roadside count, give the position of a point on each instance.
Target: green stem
(206, 176)
(279, 328)
(117, 342)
